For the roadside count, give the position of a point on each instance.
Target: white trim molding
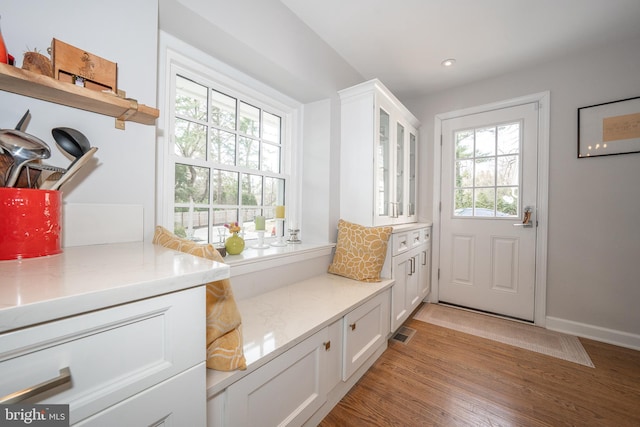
(597, 333)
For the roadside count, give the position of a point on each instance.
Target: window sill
(252, 260)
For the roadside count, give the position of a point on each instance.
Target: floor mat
(529, 337)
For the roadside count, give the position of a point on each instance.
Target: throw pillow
(224, 335)
(360, 251)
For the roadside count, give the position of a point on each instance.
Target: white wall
(593, 280)
(121, 31)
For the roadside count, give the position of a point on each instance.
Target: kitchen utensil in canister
(23, 148)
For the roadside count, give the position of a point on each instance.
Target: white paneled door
(488, 212)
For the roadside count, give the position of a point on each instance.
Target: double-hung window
(226, 154)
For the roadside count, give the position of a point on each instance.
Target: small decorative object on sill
(234, 244)
(221, 250)
(293, 236)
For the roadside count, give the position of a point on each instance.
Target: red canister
(30, 222)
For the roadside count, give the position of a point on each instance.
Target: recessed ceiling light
(448, 62)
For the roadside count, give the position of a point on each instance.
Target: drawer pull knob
(327, 345)
(19, 396)
(353, 326)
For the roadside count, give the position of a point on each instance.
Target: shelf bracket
(133, 109)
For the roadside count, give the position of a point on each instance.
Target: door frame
(543, 100)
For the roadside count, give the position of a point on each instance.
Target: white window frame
(178, 57)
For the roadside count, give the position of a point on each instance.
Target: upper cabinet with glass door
(379, 143)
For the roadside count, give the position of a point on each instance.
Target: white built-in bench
(306, 345)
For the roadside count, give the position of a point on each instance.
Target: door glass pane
(508, 170)
(383, 180)
(399, 199)
(249, 122)
(463, 202)
(223, 110)
(464, 173)
(484, 202)
(222, 148)
(464, 144)
(191, 184)
(225, 187)
(509, 138)
(485, 142)
(507, 201)
(190, 139)
(485, 170)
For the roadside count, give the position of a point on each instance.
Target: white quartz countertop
(277, 320)
(86, 278)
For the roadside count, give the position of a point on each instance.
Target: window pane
(383, 179)
(223, 110)
(485, 142)
(508, 170)
(192, 224)
(190, 139)
(485, 172)
(191, 182)
(251, 190)
(223, 147)
(225, 187)
(222, 217)
(270, 158)
(464, 173)
(464, 144)
(484, 203)
(248, 152)
(463, 203)
(271, 130)
(507, 202)
(509, 138)
(249, 120)
(191, 99)
(273, 194)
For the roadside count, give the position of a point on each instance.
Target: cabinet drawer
(401, 243)
(175, 402)
(112, 354)
(365, 329)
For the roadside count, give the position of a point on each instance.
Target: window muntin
(227, 155)
(487, 171)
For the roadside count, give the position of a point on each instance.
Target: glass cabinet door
(383, 178)
(400, 159)
(412, 174)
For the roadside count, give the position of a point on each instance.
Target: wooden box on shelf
(74, 65)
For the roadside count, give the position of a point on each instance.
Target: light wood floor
(448, 378)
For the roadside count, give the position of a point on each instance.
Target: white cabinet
(295, 385)
(409, 260)
(366, 328)
(378, 155)
(284, 392)
(113, 356)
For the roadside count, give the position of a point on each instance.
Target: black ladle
(71, 141)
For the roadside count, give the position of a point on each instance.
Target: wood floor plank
(447, 378)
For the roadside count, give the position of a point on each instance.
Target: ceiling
(403, 42)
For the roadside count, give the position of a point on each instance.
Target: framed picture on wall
(609, 128)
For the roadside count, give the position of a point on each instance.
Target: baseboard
(597, 333)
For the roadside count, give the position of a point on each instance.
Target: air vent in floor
(404, 335)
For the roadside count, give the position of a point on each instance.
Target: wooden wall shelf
(27, 83)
